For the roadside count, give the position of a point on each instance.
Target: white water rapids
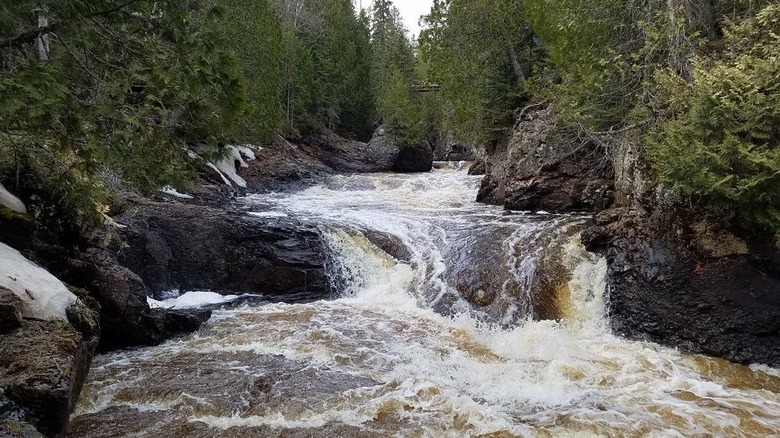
(399, 352)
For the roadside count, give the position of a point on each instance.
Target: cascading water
(478, 324)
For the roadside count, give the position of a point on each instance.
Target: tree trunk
(43, 38)
(516, 65)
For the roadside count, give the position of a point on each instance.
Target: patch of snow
(192, 300)
(225, 180)
(44, 296)
(248, 151)
(168, 190)
(268, 214)
(9, 200)
(227, 168)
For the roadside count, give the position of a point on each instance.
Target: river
(399, 352)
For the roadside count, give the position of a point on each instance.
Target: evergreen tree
(482, 54)
(722, 137)
(253, 33)
(109, 88)
(325, 68)
(393, 74)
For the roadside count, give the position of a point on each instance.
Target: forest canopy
(105, 95)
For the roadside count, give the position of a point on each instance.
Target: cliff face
(678, 274)
(536, 170)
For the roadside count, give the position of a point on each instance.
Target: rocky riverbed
(687, 280)
(199, 240)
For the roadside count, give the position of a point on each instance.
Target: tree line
(105, 95)
(100, 96)
(696, 83)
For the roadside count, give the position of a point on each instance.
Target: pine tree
(253, 33)
(116, 91)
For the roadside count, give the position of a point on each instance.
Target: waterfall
(449, 319)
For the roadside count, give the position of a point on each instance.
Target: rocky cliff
(678, 274)
(538, 169)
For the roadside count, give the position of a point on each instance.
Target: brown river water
(398, 352)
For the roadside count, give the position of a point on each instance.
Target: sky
(410, 10)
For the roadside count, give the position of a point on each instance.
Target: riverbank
(198, 240)
(681, 275)
(446, 339)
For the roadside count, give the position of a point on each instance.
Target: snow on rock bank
(44, 296)
(170, 190)
(11, 201)
(192, 300)
(227, 166)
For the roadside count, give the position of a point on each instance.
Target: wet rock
(42, 369)
(382, 154)
(390, 244)
(448, 149)
(125, 316)
(414, 158)
(349, 156)
(284, 166)
(460, 152)
(536, 170)
(667, 291)
(595, 238)
(478, 168)
(10, 310)
(185, 247)
(383, 150)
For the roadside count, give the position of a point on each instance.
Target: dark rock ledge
(678, 276)
(703, 290)
(536, 169)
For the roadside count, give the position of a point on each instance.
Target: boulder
(125, 315)
(561, 187)
(283, 166)
(414, 158)
(382, 150)
(348, 156)
(184, 247)
(382, 154)
(42, 369)
(451, 150)
(10, 310)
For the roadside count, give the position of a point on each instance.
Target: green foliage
(466, 48)
(122, 89)
(325, 57)
(722, 141)
(393, 74)
(253, 33)
(595, 47)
